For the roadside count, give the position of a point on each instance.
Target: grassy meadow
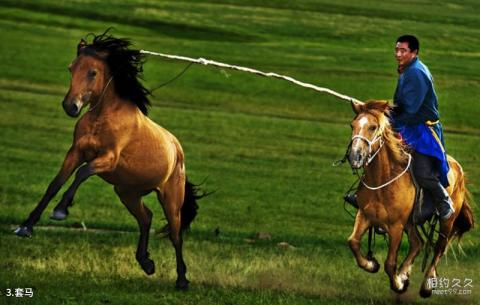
(264, 145)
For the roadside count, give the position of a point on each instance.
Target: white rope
(206, 62)
(389, 182)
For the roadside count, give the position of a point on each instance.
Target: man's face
(403, 54)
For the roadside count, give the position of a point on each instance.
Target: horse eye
(372, 128)
(92, 73)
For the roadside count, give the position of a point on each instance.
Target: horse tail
(464, 221)
(190, 206)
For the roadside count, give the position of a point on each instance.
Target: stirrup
(351, 198)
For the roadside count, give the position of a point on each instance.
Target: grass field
(266, 147)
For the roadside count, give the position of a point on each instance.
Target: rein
(101, 96)
(373, 188)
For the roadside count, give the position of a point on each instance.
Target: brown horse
(116, 140)
(386, 196)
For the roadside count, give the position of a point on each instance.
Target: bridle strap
(101, 96)
(370, 143)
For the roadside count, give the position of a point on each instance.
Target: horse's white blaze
(363, 121)
(357, 142)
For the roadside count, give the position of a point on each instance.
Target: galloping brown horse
(386, 196)
(116, 140)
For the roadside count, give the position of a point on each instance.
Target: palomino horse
(386, 196)
(116, 140)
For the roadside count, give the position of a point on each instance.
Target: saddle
(424, 205)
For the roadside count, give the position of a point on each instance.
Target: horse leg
(60, 212)
(397, 284)
(359, 228)
(440, 245)
(101, 164)
(72, 160)
(415, 246)
(172, 199)
(133, 202)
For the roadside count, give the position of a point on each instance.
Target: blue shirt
(415, 115)
(415, 98)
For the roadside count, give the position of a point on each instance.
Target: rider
(416, 117)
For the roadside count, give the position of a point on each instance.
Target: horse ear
(82, 44)
(384, 107)
(357, 106)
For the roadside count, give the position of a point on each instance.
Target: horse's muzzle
(71, 108)
(356, 159)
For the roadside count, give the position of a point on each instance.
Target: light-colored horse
(386, 196)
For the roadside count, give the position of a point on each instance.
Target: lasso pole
(206, 62)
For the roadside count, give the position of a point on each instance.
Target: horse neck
(383, 167)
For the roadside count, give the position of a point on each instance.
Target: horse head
(107, 63)
(367, 131)
(89, 77)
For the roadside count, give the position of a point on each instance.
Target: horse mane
(125, 65)
(381, 111)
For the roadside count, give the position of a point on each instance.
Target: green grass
(266, 146)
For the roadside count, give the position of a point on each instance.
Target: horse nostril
(70, 108)
(358, 157)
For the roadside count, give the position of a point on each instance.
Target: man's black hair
(413, 43)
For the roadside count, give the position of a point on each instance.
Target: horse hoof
(148, 266)
(403, 288)
(59, 215)
(373, 266)
(23, 231)
(425, 293)
(405, 285)
(182, 284)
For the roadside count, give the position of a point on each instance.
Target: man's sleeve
(414, 90)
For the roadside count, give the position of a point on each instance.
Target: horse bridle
(377, 138)
(370, 143)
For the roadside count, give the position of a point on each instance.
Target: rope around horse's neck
(373, 188)
(206, 62)
(101, 96)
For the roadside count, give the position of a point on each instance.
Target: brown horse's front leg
(397, 283)
(102, 164)
(60, 212)
(359, 228)
(72, 160)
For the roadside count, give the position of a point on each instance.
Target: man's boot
(444, 205)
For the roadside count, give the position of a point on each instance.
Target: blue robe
(416, 116)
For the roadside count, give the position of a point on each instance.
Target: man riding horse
(416, 118)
